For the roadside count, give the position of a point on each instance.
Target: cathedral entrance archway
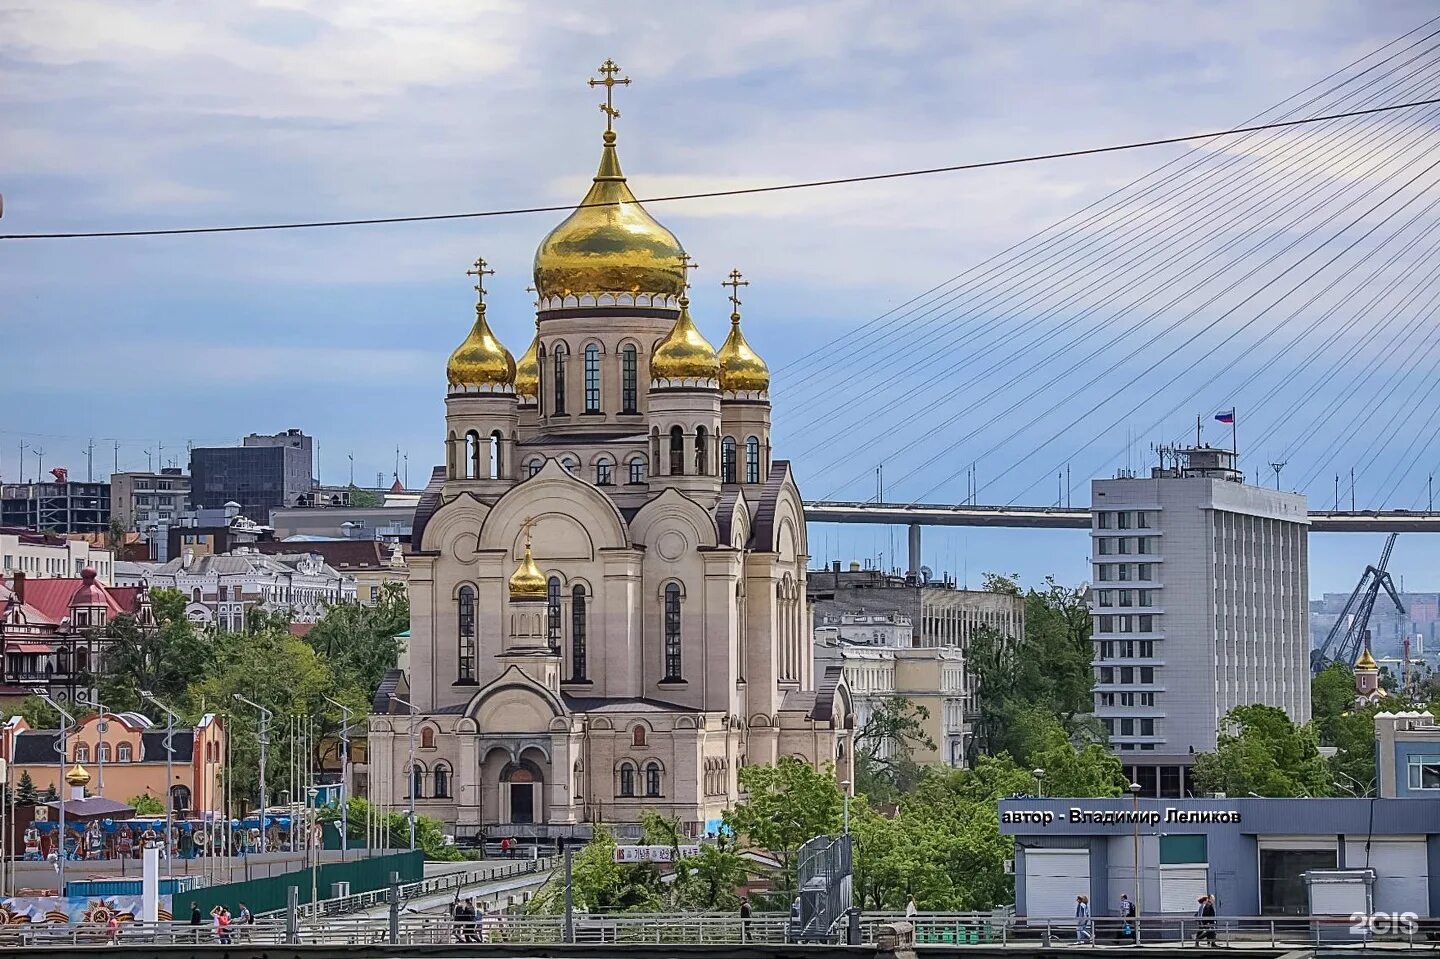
(521, 793)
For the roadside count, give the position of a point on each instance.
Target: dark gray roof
(389, 686)
(824, 710)
(37, 746)
(429, 503)
(762, 536)
(153, 746)
(602, 704)
(92, 806)
(34, 746)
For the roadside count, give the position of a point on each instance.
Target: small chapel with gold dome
(607, 576)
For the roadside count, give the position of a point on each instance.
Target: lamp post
(344, 776)
(1135, 838)
(1039, 775)
(845, 785)
(84, 698)
(170, 718)
(410, 770)
(63, 747)
(263, 738)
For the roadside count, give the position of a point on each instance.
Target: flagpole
(1234, 444)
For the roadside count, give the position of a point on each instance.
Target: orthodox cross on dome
(609, 68)
(686, 265)
(735, 283)
(479, 272)
(527, 527)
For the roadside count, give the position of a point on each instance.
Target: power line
(713, 194)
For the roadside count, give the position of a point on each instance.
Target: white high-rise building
(1200, 605)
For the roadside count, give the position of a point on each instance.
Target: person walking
(1127, 919)
(1205, 912)
(1083, 932)
(195, 918)
(744, 918)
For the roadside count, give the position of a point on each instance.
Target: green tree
(50, 794)
(359, 642)
(395, 827)
(365, 498)
(38, 713)
(25, 792)
(715, 874)
(885, 746)
(1332, 695)
(166, 660)
(1261, 752)
(788, 804)
(146, 805)
(600, 884)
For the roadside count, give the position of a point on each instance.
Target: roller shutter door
(1053, 878)
(1181, 886)
(1402, 874)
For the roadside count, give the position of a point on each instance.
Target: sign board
(654, 853)
(1124, 817)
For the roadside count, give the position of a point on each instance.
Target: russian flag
(1227, 417)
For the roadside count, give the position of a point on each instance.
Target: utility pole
(21, 477)
(351, 456)
(90, 461)
(149, 461)
(39, 463)
(1352, 489)
(117, 456)
(1277, 467)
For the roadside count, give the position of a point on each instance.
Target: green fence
(263, 895)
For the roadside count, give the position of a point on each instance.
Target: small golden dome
(685, 354)
(527, 370)
(1366, 662)
(741, 369)
(527, 583)
(77, 776)
(481, 360)
(609, 244)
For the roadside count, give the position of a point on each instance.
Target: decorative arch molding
(514, 679)
(686, 722)
(554, 491)
(381, 726)
(602, 724)
(762, 721)
(466, 726)
(673, 508)
(453, 524)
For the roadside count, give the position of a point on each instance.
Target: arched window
(102, 752)
(702, 451)
(672, 632)
(577, 633)
(677, 451)
(465, 634)
(472, 455)
(727, 460)
(552, 595)
(62, 661)
(497, 441)
(442, 781)
(570, 463)
(652, 779)
(752, 460)
(592, 378)
(637, 470)
(559, 363)
(195, 595)
(605, 472)
(637, 735)
(82, 753)
(124, 753)
(579, 790)
(417, 782)
(427, 737)
(627, 779)
(629, 379)
(534, 466)
(452, 455)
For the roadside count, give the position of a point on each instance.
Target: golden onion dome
(527, 583)
(527, 369)
(1366, 662)
(741, 369)
(481, 360)
(77, 776)
(609, 244)
(685, 354)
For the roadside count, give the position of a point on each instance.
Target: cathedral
(607, 576)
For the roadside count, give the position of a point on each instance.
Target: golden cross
(527, 526)
(479, 272)
(735, 283)
(686, 265)
(609, 68)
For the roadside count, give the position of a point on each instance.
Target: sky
(126, 114)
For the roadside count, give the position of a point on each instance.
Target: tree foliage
(359, 642)
(25, 791)
(146, 805)
(165, 660)
(1261, 752)
(884, 746)
(788, 804)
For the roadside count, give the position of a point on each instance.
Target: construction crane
(1348, 635)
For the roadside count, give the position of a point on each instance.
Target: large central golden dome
(609, 244)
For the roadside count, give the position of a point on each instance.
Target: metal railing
(482, 872)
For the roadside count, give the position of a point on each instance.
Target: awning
(30, 648)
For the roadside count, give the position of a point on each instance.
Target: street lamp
(410, 771)
(262, 737)
(170, 718)
(1039, 775)
(63, 747)
(344, 775)
(84, 698)
(845, 785)
(1135, 835)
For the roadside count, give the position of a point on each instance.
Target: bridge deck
(1051, 517)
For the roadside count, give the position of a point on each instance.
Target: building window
(417, 782)
(752, 460)
(627, 779)
(102, 753)
(124, 753)
(629, 377)
(592, 378)
(466, 634)
(637, 735)
(652, 779)
(195, 595)
(637, 470)
(727, 460)
(442, 782)
(534, 466)
(577, 633)
(82, 753)
(677, 451)
(559, 363)
(427, 737)
(605, 473)
(702, 451)
(496, 449)
(1424, 772)
(553, 612)
(672, 632)
(570, 463)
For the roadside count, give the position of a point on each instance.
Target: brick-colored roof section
(342, 554)
(52, 596)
